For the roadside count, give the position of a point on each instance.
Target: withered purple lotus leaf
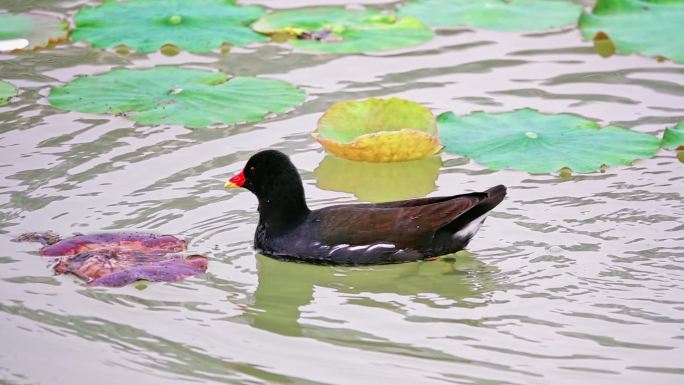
(107, 242)
(124, 266)
(117, 259)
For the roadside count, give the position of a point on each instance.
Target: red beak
(236, 181)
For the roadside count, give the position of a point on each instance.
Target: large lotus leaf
(674, 136)
(530, 141)
(171, 95)
(379, 182)
(30, 31)
(500, 15)
(378, 130)
(647, 27)
(6, 92)
(343, 30)
(117, 259)
(146, 25)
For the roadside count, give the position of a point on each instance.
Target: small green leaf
(603, 45)
(342, 30)
(674, 136)
(6, 92)
(503, 141)
(646, 27)
(147, 25)
(500, 15)
(28, 31)
(565, 173)
(183, 96)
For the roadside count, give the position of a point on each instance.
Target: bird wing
(403, 223)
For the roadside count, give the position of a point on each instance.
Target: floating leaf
(6, 92)
(565, 173)
(379, 182)
(530, 141)
(28, 31)
(603, 45)
(117, 259)
(343, 30)
(500, 15)
(674, 136)
(171, 95)
(101, 243)
(45, 237)
(147, 25)
(378, 130)
(646, 27)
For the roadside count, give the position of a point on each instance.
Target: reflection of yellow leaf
(385, 146)
(379, 182)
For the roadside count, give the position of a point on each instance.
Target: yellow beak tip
(229, 185)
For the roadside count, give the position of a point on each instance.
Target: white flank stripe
(471, 228)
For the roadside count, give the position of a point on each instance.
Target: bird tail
(494, 196)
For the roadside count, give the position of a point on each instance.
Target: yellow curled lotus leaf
(386, 146)
(378, 130)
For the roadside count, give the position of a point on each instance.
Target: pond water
(569, 281)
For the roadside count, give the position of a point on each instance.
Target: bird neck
(281, 210)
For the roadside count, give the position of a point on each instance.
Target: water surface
(569, 281)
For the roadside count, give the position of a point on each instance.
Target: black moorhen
(355, 234)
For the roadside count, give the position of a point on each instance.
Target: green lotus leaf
(6, 92)
(146, 25)
(379, 182)
(378, 130)
(27, 31)
(674, 136)
(341, 30)
(646, 27)
(530, 141)
(183, 96)
(499, 15)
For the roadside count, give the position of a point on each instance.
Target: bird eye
(252, 169)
